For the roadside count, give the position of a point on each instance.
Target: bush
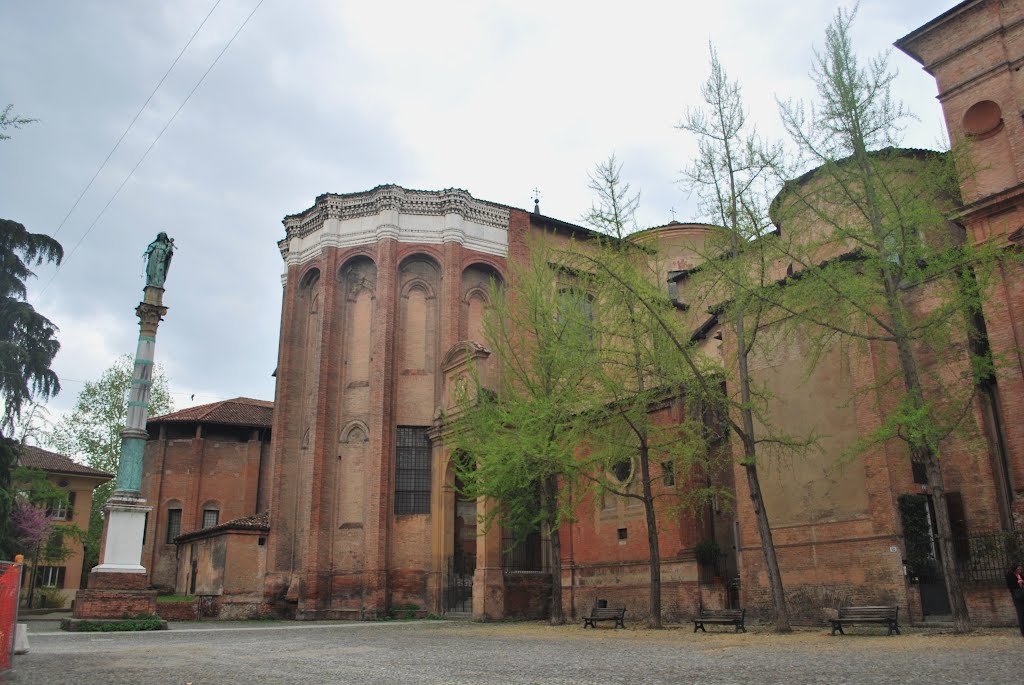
(50, 598)
(140, 622)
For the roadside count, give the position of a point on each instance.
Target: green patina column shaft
(150, 312)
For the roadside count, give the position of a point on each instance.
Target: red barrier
(10, 582)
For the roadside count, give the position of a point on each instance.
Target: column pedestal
(118, 586)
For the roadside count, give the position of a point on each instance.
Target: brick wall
(178, 611)
(195, 467)
(114, 603)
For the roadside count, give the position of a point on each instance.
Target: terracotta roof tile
(259, 522)
(38, 458)
(241, 411)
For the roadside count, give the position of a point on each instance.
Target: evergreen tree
(27, 342)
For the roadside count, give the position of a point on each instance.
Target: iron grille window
(412, 471)
(210, 517)
(521, 555)
(173, 524)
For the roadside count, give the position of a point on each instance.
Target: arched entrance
(458, 594)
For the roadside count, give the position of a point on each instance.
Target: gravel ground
(436, 652)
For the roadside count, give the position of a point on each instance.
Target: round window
(622, 470)
(982, 118)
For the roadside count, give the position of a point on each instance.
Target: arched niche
(478, 280)
(419, 283)
(358, 277)
(356, 432)
(352, 465)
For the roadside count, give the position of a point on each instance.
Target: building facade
(383, 299)
(203, 466)
(78, 481)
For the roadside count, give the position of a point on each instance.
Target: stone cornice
(395, 199)
(392, 213)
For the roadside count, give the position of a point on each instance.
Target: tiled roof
(38, 458)
(241, 411)
(260, 522)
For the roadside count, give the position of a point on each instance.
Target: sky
(497, 98)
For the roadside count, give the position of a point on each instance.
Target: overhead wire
(134, 119)
(151, 146)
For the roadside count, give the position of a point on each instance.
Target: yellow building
(78, 481)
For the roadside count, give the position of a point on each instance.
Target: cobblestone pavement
(523, 653)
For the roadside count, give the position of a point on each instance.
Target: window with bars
(173, 525)
(50, 576)
(521, 554)
(210, 517)
(412, 470)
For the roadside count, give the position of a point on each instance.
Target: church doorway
(458, 596)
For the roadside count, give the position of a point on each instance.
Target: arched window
(211, 515)
(173, 521)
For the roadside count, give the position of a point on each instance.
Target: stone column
(126, 510)
(119, 584)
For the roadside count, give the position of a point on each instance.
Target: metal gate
(924, 557)
(934, 597)
(458, 591)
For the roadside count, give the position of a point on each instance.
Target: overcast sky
(335, 96)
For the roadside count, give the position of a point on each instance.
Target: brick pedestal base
(115, 595)
(99, 580)
(114, 603)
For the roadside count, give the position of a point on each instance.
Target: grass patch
(189, 599)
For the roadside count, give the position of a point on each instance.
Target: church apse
(295, 455)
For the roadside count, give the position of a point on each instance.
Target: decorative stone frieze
(395, 213)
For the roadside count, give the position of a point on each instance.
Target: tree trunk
(654, 621)
(947, 551)
(754, 483)
(933, 472)
(550, 490)
(32, 579)
(768, 548)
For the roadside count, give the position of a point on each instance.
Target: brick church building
(336, 501)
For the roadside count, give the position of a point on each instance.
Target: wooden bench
(888, 616)
(730, 617)
(605, 614)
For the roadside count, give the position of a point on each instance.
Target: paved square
(258, 653)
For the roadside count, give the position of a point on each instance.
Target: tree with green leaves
(92, 432)
(516, 441)
(633, 451)
(731, 176)
(27, 338)
(877, 263)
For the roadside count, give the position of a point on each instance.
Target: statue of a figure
(159, 255)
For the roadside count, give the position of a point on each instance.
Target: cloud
(496, 98)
